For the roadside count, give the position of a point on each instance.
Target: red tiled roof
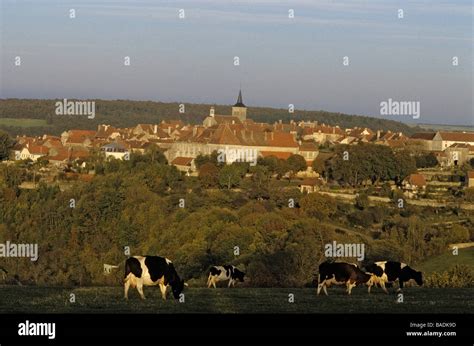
(311, 182)
(424, 135)
(311, 146)
(223, 119)
(457, 136)
(38, 149)
(417, 179)
(85, 133)
(79, 139)
(224, 135)
(281, 139)
(278, 154)
(79, 154)
(182, 161)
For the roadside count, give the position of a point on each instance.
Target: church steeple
(239, 110)
(239, 100)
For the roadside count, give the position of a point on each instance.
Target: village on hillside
(68, 155)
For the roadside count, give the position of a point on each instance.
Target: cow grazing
(222, 273)
(389, 271)
(150, 271)
(341, 273)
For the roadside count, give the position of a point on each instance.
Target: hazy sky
(282, 61)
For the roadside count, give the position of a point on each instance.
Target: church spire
(239, 100)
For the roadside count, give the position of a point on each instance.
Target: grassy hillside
(447, 260)
(235, 300)
(22, 122)
(125, 113)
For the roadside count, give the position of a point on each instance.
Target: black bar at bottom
(262, 329)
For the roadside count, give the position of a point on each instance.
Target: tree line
(126, 113)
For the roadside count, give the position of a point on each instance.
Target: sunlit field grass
(22, 122)
(448, 260)
(28, 299)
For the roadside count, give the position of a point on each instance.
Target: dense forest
(259, 222)
(125, 113)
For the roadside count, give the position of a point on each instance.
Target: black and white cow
(341, 273)
(389, 271)
(150, 271)
(222, 273)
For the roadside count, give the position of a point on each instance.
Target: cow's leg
(209, 281)
(230, 283)
(126, 288)
(140, 289)
(163, 291)
(350, 286)
(400, 283)
(382, 284)
(214, 282)
(325, 289)
(320, 286)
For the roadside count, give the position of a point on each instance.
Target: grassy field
(237, 300)
(22, 122)
(445, 261)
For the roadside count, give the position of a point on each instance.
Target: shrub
(318, 206)
(469, 194)
(361, 218)
(362, 201)
(458, 276)
(458, 234)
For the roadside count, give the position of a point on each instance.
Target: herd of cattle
(377, 273)
(154, 270)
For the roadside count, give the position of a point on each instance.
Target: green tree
(296, 163)
(405, 165)
(201, 160)
(6, 143)
(208, 174)
(318, 206)
(362, 201)
(426, 160)
(230, 176)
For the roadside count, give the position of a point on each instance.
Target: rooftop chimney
(155, 129)
(212, 112)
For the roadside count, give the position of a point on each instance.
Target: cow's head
(239, 275)
(177, 287)
(418, 276)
